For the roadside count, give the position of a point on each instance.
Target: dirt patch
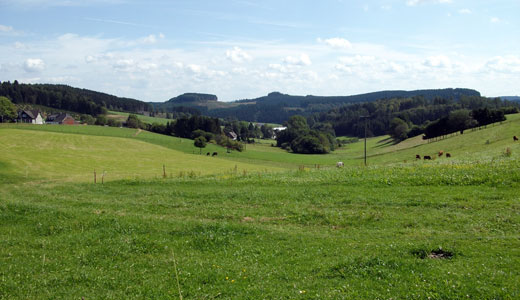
(440, 254)
(247, 219)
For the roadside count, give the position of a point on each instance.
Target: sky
(240, 49)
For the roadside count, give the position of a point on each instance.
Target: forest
(68, 98)
(416, 112)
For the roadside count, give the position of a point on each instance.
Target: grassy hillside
(122, 116)
(443, 229)
(482, 145)
(418, 232)
(73, 157)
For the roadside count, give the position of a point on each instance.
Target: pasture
(122, 117)
(442, 229)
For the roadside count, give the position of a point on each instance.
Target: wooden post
(103, 178)
(94, 176)
(164, 171)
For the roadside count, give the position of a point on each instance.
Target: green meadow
(255, 225)
(122, 116)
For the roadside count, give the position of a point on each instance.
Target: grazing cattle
(214, 154)
(448, 155)
(441, 153)
(417, 156)
(515, 138)
(207, 154)
(339, 164)
(427, 157)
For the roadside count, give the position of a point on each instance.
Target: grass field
(443, 229)
(122, 116)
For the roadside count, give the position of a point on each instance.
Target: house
(61, 118)
(30, 116)
(278, 129)
(232, 135)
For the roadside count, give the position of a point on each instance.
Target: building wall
(68, 121)
(38, 120)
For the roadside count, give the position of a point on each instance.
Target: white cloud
(302, 60)
(237, 55)
(33, 65)
(417, 2)
(151, 39)
(504, 64)
(4, 28)
(337, 43)
(465, 11)
(439, 61)
(494, 20)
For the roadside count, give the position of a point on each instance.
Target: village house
(30, 116)
(61, 118)
(232, 135)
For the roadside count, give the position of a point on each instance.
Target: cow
(417, 156)
(515, 138)
(214, 154)
(441, 153)
(207, 154)
(448, 155)
(339, 164)
(427, 157)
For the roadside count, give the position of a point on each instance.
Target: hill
(68, 98)
(277, 107)
(444, 229)
(511, 98)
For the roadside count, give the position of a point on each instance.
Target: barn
(61, 118)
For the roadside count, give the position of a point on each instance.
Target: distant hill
(511, 98)
(68, 98)
(277, 107)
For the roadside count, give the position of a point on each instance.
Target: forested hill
(192, 103)
(416, 113)
(511, 98)
(69, 98)
(277, 107)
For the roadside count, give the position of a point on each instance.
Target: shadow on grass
(386, 142)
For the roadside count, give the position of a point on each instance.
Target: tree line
(67, 98)
(408, 115)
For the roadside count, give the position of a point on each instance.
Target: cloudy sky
(157, 49)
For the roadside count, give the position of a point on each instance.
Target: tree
(132, 121)
(7, 109)
(398, 129)
(200, 142)
(101, 120)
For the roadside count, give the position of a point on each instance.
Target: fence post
(164, 171)
(94, 176)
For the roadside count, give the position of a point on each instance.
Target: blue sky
(236, 49)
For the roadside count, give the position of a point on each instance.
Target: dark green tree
(200, 142)
(398, 129)
(7, 110)
(132, 121)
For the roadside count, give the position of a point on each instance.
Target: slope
(42, 155)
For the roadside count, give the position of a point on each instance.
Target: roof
(31, 113)
(232, 134)
(58, 118)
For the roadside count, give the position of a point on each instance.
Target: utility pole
(365, 117)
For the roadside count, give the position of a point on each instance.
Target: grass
(122, 116)
(74, 157)
(443, 229)
(312, 234)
